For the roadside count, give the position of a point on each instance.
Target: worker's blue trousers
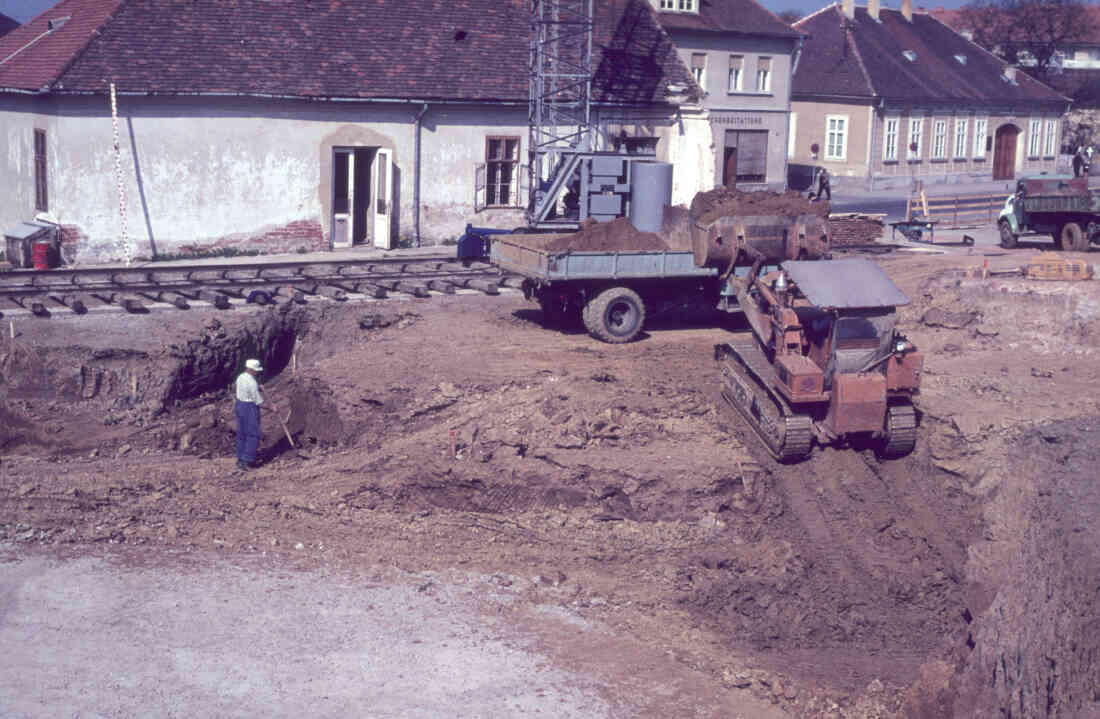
(248, 431)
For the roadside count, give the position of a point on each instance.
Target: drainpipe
(416, 172)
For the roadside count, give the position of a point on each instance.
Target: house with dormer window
(742, 57)
(884, 97)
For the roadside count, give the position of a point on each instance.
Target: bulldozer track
(901, 430)
(135, 289)
(787, 436)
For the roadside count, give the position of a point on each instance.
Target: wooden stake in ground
(285, 430)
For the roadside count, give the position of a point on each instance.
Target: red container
(41, 255)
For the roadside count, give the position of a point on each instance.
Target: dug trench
(459, 433)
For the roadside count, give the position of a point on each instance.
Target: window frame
(979, 137)
(764, 74)
(739, 86)
(915, 136)
(689, 6)
(939, 139)
(890, 153)
(1034, 137)
(1050, 134)
(961, 144)
(41, 167)
(842, 135)
(699, 72)
(492, 188)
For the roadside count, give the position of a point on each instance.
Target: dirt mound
(707, 207)
(619, 235)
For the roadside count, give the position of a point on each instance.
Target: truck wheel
(1008, 238)
(615, 315)
(1074, 238)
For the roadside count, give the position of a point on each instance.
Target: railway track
(136, 289)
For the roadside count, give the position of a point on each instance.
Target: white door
(382, 192)
(343, 198)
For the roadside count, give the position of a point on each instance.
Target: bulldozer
(824, 361)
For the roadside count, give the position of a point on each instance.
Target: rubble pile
(853, 228)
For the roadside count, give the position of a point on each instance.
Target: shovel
(285, 430)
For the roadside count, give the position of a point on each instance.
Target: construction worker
(249, 399)
(823, 185)
(1082, 159)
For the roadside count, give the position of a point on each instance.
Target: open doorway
(361, 196)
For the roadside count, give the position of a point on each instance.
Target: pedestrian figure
(1081, 161)
(248, 404)
(823, 184)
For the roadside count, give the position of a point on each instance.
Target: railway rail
(135, 289)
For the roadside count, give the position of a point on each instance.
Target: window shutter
(524, 186)
(479, 186)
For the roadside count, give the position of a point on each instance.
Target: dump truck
(614, 289)
(824, 361)
(1058, 205)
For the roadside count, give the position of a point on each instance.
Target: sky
(24, 10)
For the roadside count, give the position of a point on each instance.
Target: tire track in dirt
(882, 583)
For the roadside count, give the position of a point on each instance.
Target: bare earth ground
(591, 514)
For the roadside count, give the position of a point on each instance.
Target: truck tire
(615, 315)
(1008, 237)
(1074, 238)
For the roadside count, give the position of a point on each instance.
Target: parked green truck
(1063, 207)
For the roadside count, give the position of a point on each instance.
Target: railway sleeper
(76, 303)
(217, 299)
(443, 286)
(363, 288)
(172, 298)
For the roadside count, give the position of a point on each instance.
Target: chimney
(907, 10)
(873, 8)
(849, 8)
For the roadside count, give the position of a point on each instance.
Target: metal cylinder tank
(650, 193)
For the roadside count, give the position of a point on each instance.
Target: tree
(1028, 33)
(790, 16)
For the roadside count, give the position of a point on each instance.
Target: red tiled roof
(863, 58)
(423, 49)
(739, 16)
(33, 55)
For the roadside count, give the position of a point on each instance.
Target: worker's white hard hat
(254, 365)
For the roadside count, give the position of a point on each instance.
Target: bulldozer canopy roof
(844, 284)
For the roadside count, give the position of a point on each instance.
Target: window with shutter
(501, 164)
